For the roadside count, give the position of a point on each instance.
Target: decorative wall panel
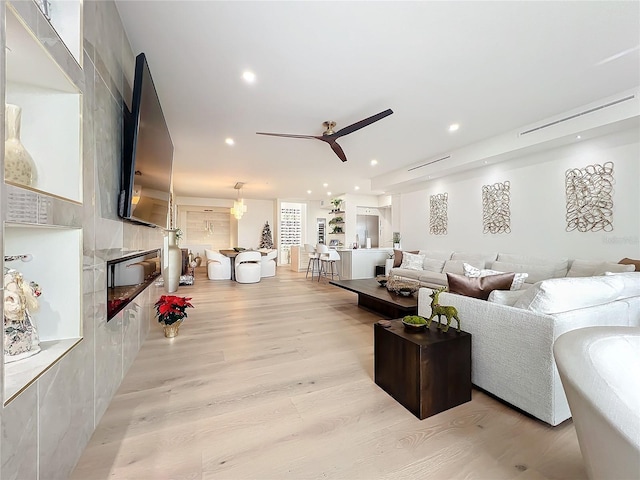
(496, 215)
(438, 205)
(589, 193)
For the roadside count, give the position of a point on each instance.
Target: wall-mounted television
(147, 158)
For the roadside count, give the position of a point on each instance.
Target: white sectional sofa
(436, 264)
(513, 332)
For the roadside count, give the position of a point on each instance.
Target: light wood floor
(275, 381)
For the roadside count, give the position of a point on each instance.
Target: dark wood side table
(427, 372)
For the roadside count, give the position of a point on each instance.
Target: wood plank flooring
(275, 381)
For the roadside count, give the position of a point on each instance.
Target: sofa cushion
(412, 261)
(505, 297)
(560, 265)
(404, 272)
(457, 266)
(427, 277)
(471, 271)
(478, 287)
(433, 265)
(476, 258)
(536, 273)
(588, 268)
(630, 284)
(631, 261)
(558, 295)
(437, 254)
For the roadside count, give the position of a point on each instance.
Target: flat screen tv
(147, 159)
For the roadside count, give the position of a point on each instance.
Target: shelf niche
(51, 126)
(56, 266)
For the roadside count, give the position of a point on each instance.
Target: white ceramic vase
(171, 262)
(18, 164)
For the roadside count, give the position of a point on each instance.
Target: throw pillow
(479, 287)
(518, 278)
(412, 261)
(631, 261)
(397, 258)
(505, 297)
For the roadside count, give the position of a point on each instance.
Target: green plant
(335, 220)
(337, 229)
(170, 309)
(336, 203)
(396, 237)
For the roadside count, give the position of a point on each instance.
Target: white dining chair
(218, 265)
(248, 267)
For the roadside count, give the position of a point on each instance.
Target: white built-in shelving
(42, 220)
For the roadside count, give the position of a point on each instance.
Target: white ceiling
(489, 66)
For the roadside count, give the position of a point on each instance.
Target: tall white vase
(171, 262)
(18, 164)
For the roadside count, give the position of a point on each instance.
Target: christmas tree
(267, 239)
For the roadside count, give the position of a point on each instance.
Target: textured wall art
(496, 216)
(438, 205)
(590, 198)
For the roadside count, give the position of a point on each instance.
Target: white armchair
(218, 265)
(600, 372)
(268, 264)
(248, 267)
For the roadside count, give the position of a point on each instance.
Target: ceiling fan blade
(361, 124)
(338, 149)
(289, 136)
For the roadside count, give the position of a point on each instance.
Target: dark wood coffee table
(378, 299)
(427, 372)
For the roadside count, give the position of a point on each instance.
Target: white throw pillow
(505, 297)
(412, 261)
(471, 271)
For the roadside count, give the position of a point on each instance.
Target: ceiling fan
(330, 136)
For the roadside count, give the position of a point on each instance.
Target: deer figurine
(436, 309)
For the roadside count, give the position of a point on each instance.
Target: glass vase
(18, 165)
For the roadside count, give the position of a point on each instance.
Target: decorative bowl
(396, 284)
(382, 280)
(414, 327)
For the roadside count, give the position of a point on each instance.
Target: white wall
(252, 222)
(538, 204)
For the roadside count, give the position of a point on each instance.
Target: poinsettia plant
(170, 309)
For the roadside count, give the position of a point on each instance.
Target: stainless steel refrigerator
(367, 226)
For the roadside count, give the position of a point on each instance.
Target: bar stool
(314, 260)
(328, 256)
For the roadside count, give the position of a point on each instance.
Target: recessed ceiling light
(229, 141)
(325, 185)
(308, 191)
(374, 162)
(357, 187)
(453, 127)
(329, 193)
(248, 76)
(578, 137)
